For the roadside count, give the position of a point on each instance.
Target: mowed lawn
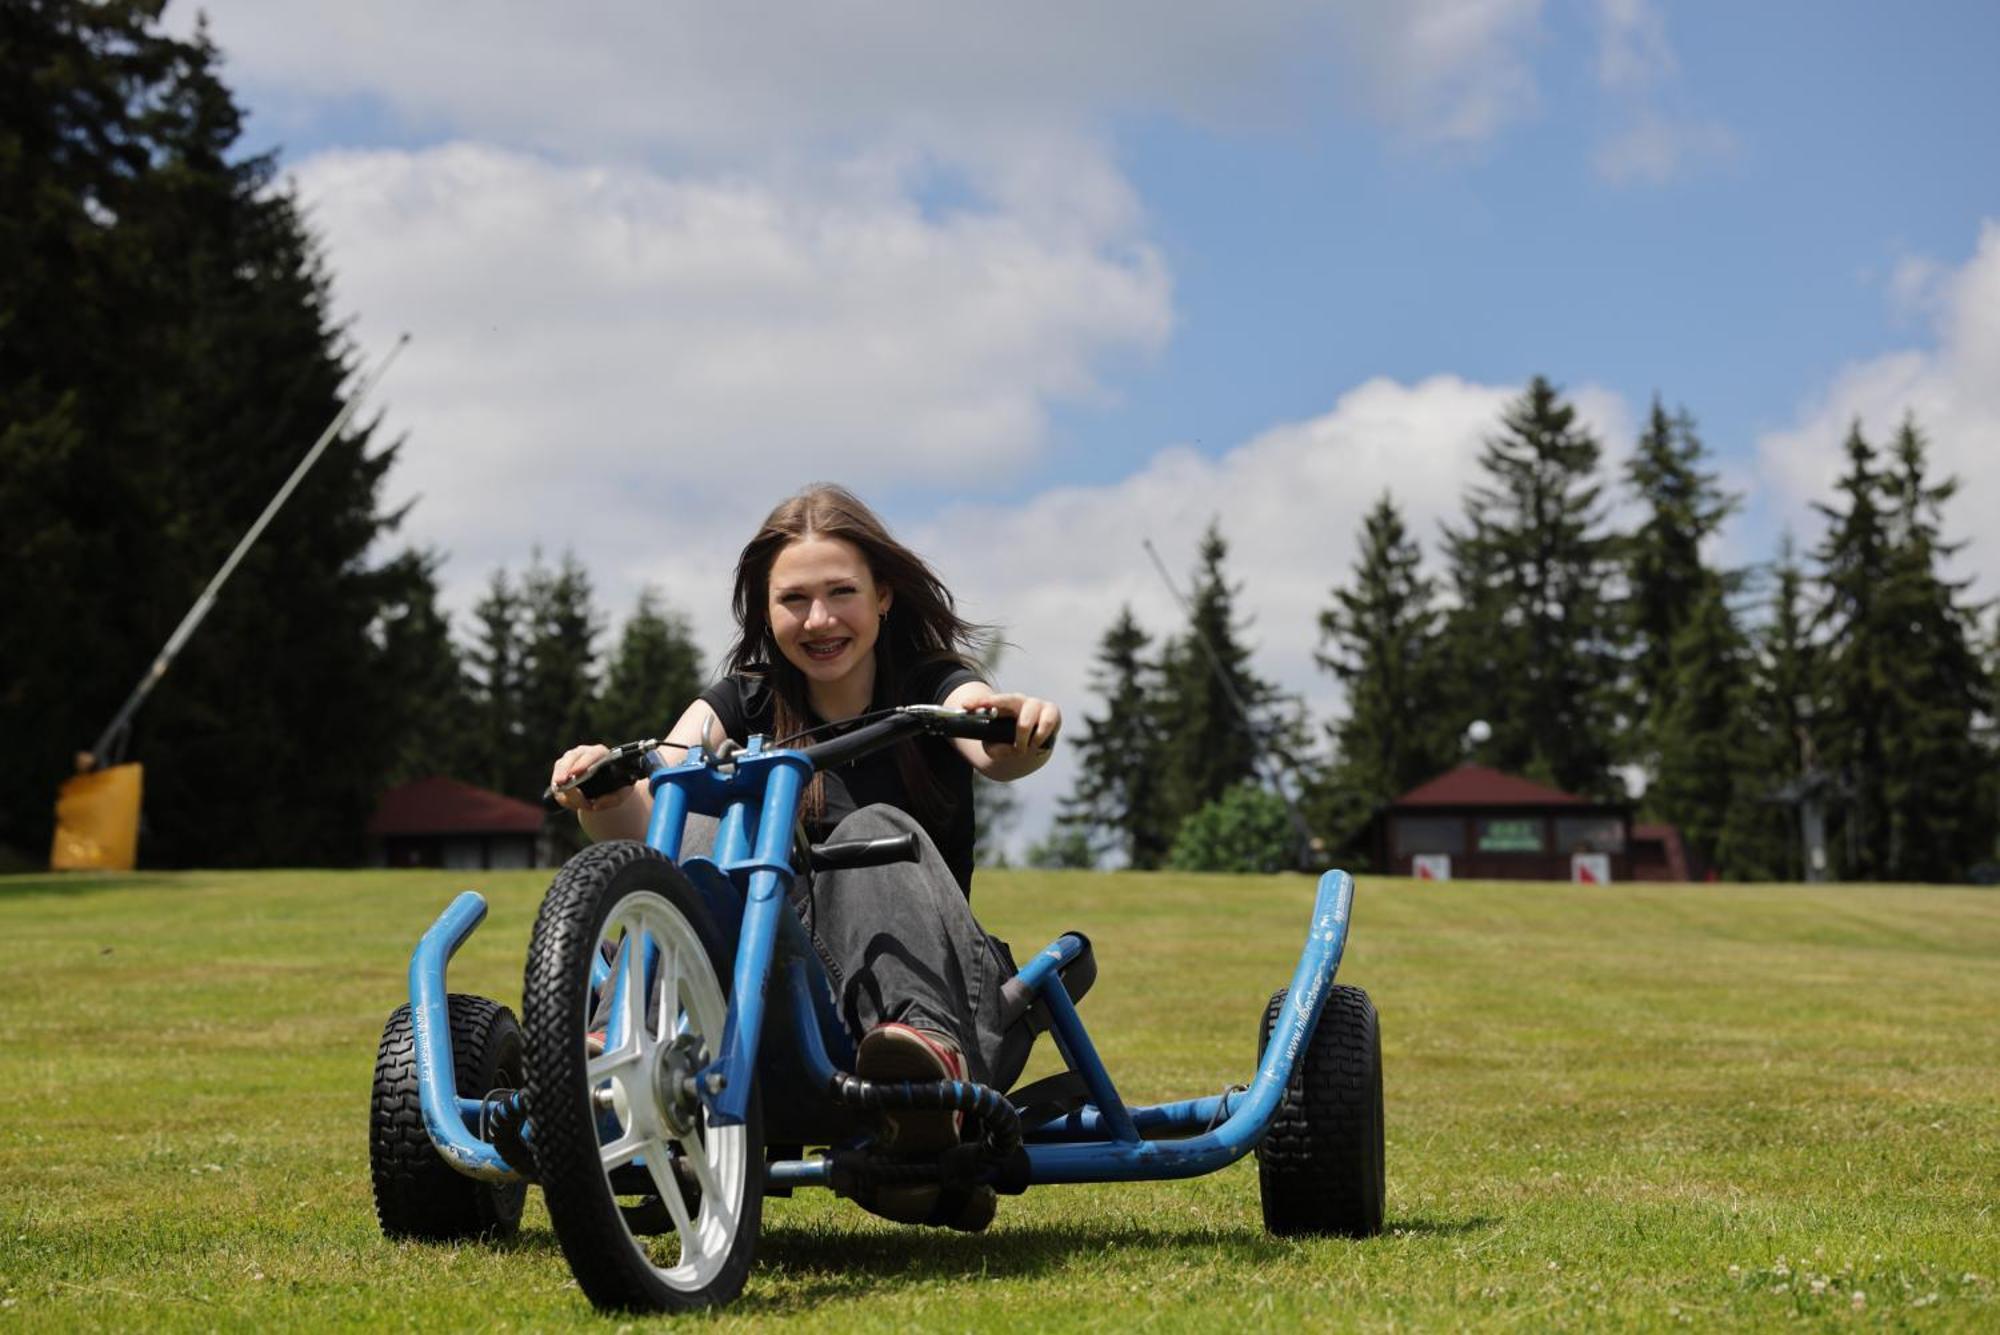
(1636, 1107)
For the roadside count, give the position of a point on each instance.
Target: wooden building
(1482, 824)
(440, 822)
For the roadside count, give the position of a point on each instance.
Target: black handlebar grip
(864, 852)
(979, 727)
(619, 769)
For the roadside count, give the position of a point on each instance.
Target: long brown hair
(921, 628)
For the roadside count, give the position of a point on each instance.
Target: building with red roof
(440, 822)
(1480, 823)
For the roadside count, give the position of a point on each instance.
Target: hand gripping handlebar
(631, 762)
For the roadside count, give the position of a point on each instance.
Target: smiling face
(826, 614)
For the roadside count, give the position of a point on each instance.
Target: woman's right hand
(574, 762)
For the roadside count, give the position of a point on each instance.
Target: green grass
(1635, 1107)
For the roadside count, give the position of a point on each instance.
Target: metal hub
(674, 1067)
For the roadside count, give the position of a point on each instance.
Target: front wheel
(1319, 1167)
(610, 1094)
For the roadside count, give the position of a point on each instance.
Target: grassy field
(1636, 1107)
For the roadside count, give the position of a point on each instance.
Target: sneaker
(891, 1053)
(896, 1052)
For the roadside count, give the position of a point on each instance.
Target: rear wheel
(418, 1194)
(1319, 1168)
(620, 1137)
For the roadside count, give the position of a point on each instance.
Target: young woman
(836, 618)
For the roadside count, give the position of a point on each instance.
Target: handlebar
(626, 765)
(971, 724)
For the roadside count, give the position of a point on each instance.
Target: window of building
(1429, 834)
(1509, 834)
(1590, 834)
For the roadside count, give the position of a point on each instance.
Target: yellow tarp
(97, 821)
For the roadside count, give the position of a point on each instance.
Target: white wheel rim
(690, 1001)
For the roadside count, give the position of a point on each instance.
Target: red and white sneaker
(896, 1052)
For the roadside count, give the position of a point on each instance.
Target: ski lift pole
(114, 732)
(1300, 829)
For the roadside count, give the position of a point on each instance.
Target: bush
(1244, 830)
(1067, 848)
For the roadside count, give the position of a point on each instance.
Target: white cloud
(1653, 138)
(1952, 387)
(1443, 71)
(604, 347)
(1632, 47)
(625, 79)
(1655, 150)
(1916, 286)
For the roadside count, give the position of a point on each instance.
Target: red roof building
(1476, 822)
(440, 822)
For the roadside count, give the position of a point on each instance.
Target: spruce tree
(1212, 701)
(1532, 643)
(166, 356)
(496, 678)
(1860, 643)
(1779, 747)
(1937, 789)
(1666, 580)
(1379, 638)
(560, 629)
(654, 674)
(420, 657)
(996, 807)
(1702, 724)
(1117, 803)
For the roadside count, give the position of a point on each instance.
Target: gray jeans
(900, 944)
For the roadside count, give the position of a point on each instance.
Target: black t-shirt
(744, 705)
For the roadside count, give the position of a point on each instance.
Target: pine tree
(497, 676)
(1379, 638)
(1532, 644)
(166, 355)
(655, 673)
(1937, 789)
(1212, 702)
(1666, 579)
(1703, 722)
(995, 805)
(1860, 642)
(1118, 803)
(419, 656)
(1778, 745)
(560, 629)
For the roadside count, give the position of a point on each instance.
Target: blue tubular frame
(449, 1118)
(755, 795)
(1107, 1142)
(1217, 1131)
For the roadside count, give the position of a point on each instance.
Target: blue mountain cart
(679, 1047)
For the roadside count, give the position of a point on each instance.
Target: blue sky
(1045, 280)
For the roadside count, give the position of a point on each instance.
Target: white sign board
(1590, 868)
(1431, 866)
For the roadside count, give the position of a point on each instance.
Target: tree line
(167, 350)
(1858, 678)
